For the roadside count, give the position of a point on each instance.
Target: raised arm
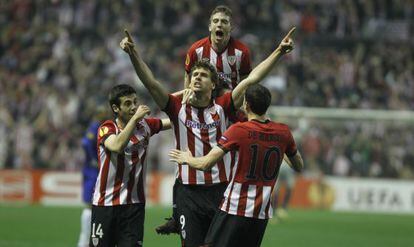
(199, 163)
(261, 70)
(157, 91)
(117, 143)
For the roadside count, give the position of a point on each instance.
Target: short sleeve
(291, 148)
(226, 101)
(173, 106)
(229, 140)
(105, 130)
(245, 65)
(154, 124)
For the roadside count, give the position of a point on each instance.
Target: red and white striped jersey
(199, 129)
(231, 64)
(121, 176)
(260, 149)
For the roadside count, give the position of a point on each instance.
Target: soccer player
(198, 125)
(261, 145)
(89, 173)
(230, 57)
(119, 200)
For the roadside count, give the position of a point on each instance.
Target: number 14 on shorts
(96, 231)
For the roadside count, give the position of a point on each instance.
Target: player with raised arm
(198, 124)
(118, 205)
(261, 146)
(230, 57)
(89, 173)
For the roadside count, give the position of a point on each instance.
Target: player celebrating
(230, 57)
(261, 146)
(89, 174)
(198, 125)
(119, 200)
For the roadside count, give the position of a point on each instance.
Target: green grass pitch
(58, 227)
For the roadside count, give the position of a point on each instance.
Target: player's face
(127, 107)
(220, 28)
(201, 81)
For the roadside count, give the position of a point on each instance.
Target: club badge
(232, 60)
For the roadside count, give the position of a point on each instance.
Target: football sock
(85, 228)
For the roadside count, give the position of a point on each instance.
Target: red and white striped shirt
(121, 176)
(199, 129)
(231, 64)
(260, 149)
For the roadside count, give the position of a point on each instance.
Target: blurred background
(347, 90)
(59, 59)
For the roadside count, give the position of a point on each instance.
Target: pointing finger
(128, 35)
(292, 31)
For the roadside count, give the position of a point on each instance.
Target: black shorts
(121, 225)
(196, 207)
(175, 215)
(232, 230)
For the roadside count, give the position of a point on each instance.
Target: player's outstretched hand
(127, 44)
(286, 45)
(141, 112)
(179, 156)
(188, 95)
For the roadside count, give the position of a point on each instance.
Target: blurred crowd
(359, 148)
(58, 60)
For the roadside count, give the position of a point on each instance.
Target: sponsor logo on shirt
(197, 125)
(224, 76)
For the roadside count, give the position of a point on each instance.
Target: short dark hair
(117, 92)
(222, 9)
(205, 64)
(258, 97)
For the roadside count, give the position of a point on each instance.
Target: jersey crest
(231, 59)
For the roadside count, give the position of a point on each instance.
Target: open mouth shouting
(219, 34)
(197, 85)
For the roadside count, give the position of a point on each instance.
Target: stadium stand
(58, 59)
